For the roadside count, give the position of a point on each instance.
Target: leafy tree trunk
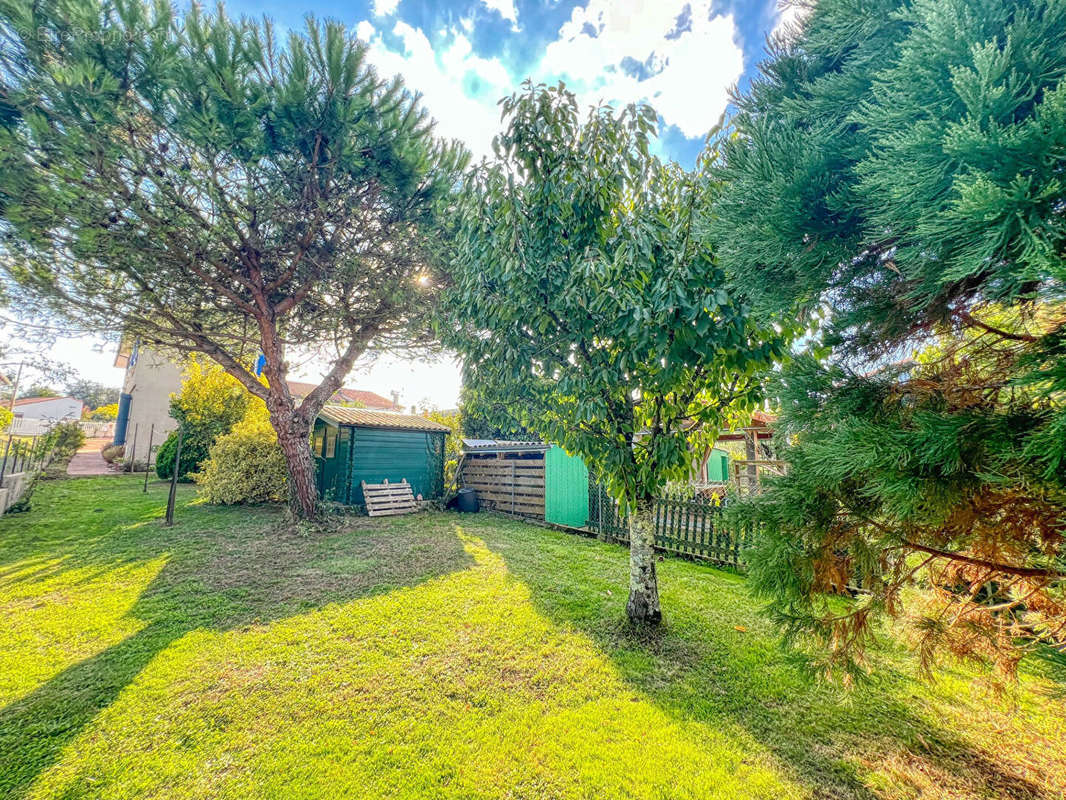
(643, 606)
(294, 431)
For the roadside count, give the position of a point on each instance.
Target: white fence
(29, 427)
(94, 429)
(97, 430)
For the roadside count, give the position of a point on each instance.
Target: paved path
(88, 461)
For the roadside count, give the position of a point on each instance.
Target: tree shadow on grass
(225, 569)
(720, 665)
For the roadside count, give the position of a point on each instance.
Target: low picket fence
(24, 426)
(692, 527)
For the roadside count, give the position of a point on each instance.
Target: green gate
(566, 489)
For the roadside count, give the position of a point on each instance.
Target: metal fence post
(174, 479)
(148, 458)
(3, 467)
(133, 451)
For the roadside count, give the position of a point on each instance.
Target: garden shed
(352, 445)
(533, 479)
(715, 466)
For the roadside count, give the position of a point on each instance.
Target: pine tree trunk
(643, 606)
(293, 437)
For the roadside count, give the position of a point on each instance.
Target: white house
(144, 405)
(48, 409)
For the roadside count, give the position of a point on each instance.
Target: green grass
(443, 656)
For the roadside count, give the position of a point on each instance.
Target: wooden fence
(514, 485)
(691, 527)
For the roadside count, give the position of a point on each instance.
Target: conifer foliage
(897, 178)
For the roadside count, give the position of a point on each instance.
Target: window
(316, 443)
(331, 444)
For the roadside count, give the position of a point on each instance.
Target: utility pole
(15, 388)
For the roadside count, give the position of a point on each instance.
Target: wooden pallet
(384, 499)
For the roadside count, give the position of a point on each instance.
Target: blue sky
(464, 55)
(682, 56)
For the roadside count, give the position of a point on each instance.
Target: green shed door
(566, 489)
(380, 454)
(718, 466)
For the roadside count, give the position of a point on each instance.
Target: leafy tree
(486, 417)
(40, 390)
(583, 285)
(211, 187)
(93, 393)
(897, 175)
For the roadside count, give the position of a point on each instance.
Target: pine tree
(210, 187)
(895, 178)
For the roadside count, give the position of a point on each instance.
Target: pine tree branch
(1025, 572)
(970, 319)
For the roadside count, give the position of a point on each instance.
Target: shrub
(106, 413)
(245, 465)
(64, 440)
(110, 452)
(195, 448)
(210, 403)
(5, 418)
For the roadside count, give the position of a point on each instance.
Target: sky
(464, 55)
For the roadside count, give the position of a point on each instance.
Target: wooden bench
(383, 499)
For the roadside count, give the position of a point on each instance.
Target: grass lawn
(444, 656)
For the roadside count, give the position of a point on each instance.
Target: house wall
(150, 380)
(52, 408)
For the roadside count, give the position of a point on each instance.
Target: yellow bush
(245, 465)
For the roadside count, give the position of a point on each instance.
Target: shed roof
(365, 418)
(502, 446)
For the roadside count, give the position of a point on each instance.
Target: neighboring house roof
(345, 395)
(365, 418)
(25, 401)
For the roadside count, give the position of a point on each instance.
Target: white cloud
(790, 13)
(383, 8)
(506, 9)
(440, 77)
(685, 71)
